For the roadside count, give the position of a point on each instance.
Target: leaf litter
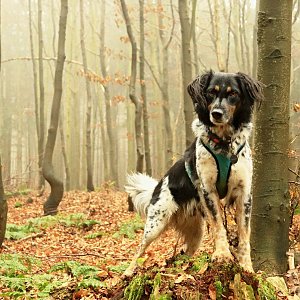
(82, 253)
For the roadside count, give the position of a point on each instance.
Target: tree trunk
(41, 137)
(143, 91)
(271, 219)
(35, 92)
(64, 152)
(57, 188)
(3, 208)
(186, 67)
(89, 167)
(132, 94)
(108, 112)
(254, 45)
(216, 39)
(165, 87)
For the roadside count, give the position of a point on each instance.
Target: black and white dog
(216, 166)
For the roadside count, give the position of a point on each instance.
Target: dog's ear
(251, 88)
(197, 89)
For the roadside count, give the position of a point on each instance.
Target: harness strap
(224, 167)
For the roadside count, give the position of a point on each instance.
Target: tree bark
(35, 85)
(132, 93)
(41, 137)
(57, 188)
(143, 91)
(165, 86)
(3, 208)
(89, 167)
(108, 111)
(186, 67)
(271, 219)
(64, 152)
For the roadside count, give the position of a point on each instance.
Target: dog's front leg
(214, 214)
(243, 212)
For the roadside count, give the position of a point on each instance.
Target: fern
(16, 232)
(94, 235)
(13, 264)
(128, 229)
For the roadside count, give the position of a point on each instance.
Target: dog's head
(224, 98)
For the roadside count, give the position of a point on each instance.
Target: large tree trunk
(271, 219)
(132, 93)
(3, 209)
(89, 167)
(41, 137)
(143, 91)
(186, 68)
(57, 188)
(112, 145)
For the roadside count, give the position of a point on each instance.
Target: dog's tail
(140, 188)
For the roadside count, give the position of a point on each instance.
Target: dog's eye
(211, 94)
(233, 94)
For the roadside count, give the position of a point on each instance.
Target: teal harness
(224, 164)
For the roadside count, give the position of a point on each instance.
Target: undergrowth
(129, 229)
(79, 220)
(20, 278)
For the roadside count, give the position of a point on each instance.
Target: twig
(33, 236)
(295, 182)
(73, 255)
(294, 172)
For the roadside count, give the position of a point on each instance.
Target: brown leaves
(296, 107)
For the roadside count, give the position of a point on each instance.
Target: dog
(217, 166)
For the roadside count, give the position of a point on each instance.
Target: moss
(265, 290)
(219, 289)
(200, 263)
(135, 289)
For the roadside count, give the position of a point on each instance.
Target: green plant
(265, 290)
(77, 220)
(18, 204)
(128, 229)
(119, 269)
(86, 275)
(94, 235)
(135, 290)
(16, 232)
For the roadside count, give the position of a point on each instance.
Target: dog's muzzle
(217, 115)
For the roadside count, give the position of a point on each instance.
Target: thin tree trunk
(57, 188)
(165, 87)
(186, 68)
(89, 167)
(271, 219)
(143, 90)
(3, 208)
(109, 123)
(64, 152)
(132, 94)
(41, 137)
(35, 86)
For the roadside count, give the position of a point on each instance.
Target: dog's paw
(222, 256)
(246, 264)
(248, 268)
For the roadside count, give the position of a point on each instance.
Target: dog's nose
(217, 114)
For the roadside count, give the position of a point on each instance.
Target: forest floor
(82, 252)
